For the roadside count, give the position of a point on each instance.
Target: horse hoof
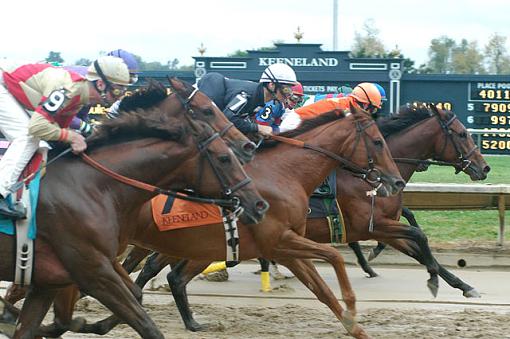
(472, 293)
(371, 274)
(372, 255)
(7, 329)
(77, 324)
(219, 276)
(193, 326)
(433, 287)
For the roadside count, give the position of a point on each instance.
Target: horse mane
(407, 116)
(144, 98)
(151, 123)
(309, 124)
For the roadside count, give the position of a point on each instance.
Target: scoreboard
(482, 105)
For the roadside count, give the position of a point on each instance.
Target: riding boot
(19, 211)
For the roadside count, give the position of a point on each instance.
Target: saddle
(323, 204)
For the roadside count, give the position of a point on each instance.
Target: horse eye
(224, 159)
(463, 135)
(208, 111)
(378, 142)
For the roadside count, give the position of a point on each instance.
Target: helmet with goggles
(109, 69)
(279, 74)
(130, 60)
(367, 93)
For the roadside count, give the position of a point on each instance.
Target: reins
(229, 203)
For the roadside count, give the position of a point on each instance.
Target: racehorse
(83, 215)
(418, 132)
(287, 175)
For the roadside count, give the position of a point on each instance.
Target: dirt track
(294, 321)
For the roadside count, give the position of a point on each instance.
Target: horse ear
(434, 109)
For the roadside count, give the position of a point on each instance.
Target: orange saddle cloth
(170, 213)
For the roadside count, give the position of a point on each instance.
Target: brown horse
(83, 215)
(286, 175)
(419, 132)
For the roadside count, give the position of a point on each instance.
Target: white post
(335, 25)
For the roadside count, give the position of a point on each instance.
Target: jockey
(240, 100)
(365, 95)
(38, 102)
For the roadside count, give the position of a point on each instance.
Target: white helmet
(279, 74)
(112, 68)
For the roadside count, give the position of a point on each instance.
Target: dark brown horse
(419, 132)
(83, 214)
(286, 175)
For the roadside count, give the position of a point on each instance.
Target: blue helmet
(381, 91)
(128, 58)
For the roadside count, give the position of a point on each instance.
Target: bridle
(203, 147)
(371, 174)
(463, 159)
(204, 141)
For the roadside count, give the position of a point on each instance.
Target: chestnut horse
(286, 175)
(418, 132)
(83, 215)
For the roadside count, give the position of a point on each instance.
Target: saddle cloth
(170, 213)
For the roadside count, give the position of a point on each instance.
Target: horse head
(209, 124)
(371, 152)
(206, 110)
(458, 146)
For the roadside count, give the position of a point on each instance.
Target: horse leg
(291, 247)
(63, 307)
(15, 293)
(304, 270)
(37, 303)
(154, 264)
(178, 279)
(406, 213)
(455, 282)
(265, 281)
(361, 259)
(414, 243)
(103, 282)
(135, 257)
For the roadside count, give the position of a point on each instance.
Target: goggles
(117, 90)
(296, 98)
(133, 78)
(286, 90)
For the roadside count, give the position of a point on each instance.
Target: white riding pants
(14, 121)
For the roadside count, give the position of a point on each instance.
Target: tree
(54, 57)
(440, 54)
(173, 64)
(368, 45)
(496, 56)
(467, 59)
(83, 62)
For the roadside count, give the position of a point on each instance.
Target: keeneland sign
(297, 62)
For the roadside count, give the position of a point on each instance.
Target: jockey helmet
(297, 89)
(367, 93)
(131, 62)
(279, 74)
(109, 69)
(381, 91)
(129, 59)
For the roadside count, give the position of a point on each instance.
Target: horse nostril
(261, 206)
(401, 184)
(249, 147)
(486, 169)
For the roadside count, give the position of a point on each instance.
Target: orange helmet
(367, 93)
